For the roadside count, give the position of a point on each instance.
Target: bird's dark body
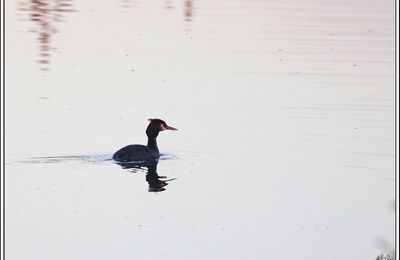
(136, 153)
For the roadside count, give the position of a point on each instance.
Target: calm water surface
(285, 114)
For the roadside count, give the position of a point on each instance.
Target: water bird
(140, 153)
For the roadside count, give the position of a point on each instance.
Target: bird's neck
(152, 143)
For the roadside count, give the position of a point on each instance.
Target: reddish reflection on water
(168, 5)
(45, 14)
(188, 10)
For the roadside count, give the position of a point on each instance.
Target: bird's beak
(167, 127)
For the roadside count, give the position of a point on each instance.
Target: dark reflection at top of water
(168, 5)
(45, 15)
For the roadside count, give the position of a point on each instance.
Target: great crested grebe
(138, 152)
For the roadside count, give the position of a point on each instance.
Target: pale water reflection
(286, 140)
(45, 15)
(188, 10)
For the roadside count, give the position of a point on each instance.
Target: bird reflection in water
(45, 14)
(156, 183)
